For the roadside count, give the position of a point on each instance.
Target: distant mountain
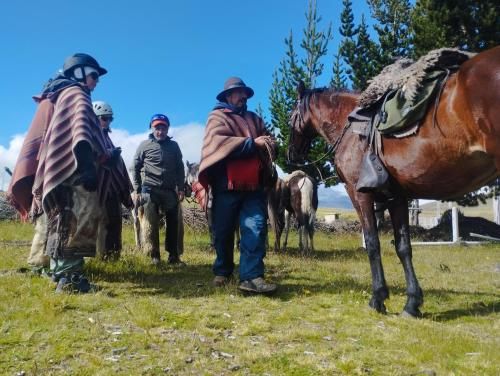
(334, 197)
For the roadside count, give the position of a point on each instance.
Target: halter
(297, 117)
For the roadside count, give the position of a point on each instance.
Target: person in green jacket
(158, 179)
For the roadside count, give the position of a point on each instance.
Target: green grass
(170, 320)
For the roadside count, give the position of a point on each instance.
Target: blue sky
(162, 56)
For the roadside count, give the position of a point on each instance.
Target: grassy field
(149, 320)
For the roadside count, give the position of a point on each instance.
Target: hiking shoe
(220, 281)
(257, 286)
(63, 285)
(80, 283)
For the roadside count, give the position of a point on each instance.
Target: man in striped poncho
(58, 178)
(235, 165)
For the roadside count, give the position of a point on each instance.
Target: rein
(331, 148)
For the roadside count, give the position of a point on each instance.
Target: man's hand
(263, 141)
(180, 194)
(267, 144)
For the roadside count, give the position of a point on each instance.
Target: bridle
(297, 122)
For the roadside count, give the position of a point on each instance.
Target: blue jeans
(249, 208)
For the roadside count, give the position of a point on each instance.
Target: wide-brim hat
(234, 83)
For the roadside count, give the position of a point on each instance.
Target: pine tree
(338, 80)
(283, 94)
(466, 24)
(348, 31)
(359, 52)
(366, 58)
(393, 28)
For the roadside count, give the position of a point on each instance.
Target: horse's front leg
(399, 218)
(364, 207)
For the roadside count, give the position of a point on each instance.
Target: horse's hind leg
(287, 228)
(311, 237)
(399, 217)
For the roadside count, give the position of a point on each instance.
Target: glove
(115, 153)
(88, 173)
(114, 157)
(88, 179)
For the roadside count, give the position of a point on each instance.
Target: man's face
(91, 80)
(160, 132)
(105, 121)
(237, 97)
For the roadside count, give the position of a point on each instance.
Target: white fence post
(454, 222)
(496, 212)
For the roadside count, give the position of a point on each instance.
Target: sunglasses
(94, 75)
(106, 118)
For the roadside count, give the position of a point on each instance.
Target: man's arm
(180, 174)
(245, 150)
(137, 167)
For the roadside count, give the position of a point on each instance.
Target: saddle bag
(372, 176)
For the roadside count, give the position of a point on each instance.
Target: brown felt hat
(233, 83)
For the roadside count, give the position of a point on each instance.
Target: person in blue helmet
(158, 180)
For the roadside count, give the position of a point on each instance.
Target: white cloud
(189, 137)
(8, 157)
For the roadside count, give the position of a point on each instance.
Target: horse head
(319, 111)
(191, 177)
(300, 137)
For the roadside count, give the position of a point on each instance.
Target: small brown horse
(455, 153)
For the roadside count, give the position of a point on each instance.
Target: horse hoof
(414, 314)
(378, 306)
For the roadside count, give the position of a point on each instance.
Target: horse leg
(301, 243)
(365, 209)
(287, 228)
(399, 218)
(305, 236)
(277, 241)
(311, 236)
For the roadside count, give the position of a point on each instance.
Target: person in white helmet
(109, 235)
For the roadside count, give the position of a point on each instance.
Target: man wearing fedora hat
(236, 153)
(158, 179)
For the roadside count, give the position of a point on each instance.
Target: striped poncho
(73, 121)
(226, 131)
(117, 175)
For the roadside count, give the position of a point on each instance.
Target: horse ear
(301, 88)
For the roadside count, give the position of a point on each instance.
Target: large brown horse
(455, 153)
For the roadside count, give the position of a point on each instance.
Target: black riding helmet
(81, 60)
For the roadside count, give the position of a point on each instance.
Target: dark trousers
(113, 242)
(161, 205)
(249, 209)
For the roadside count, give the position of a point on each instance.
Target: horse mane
(331, 91)
(410, 75)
